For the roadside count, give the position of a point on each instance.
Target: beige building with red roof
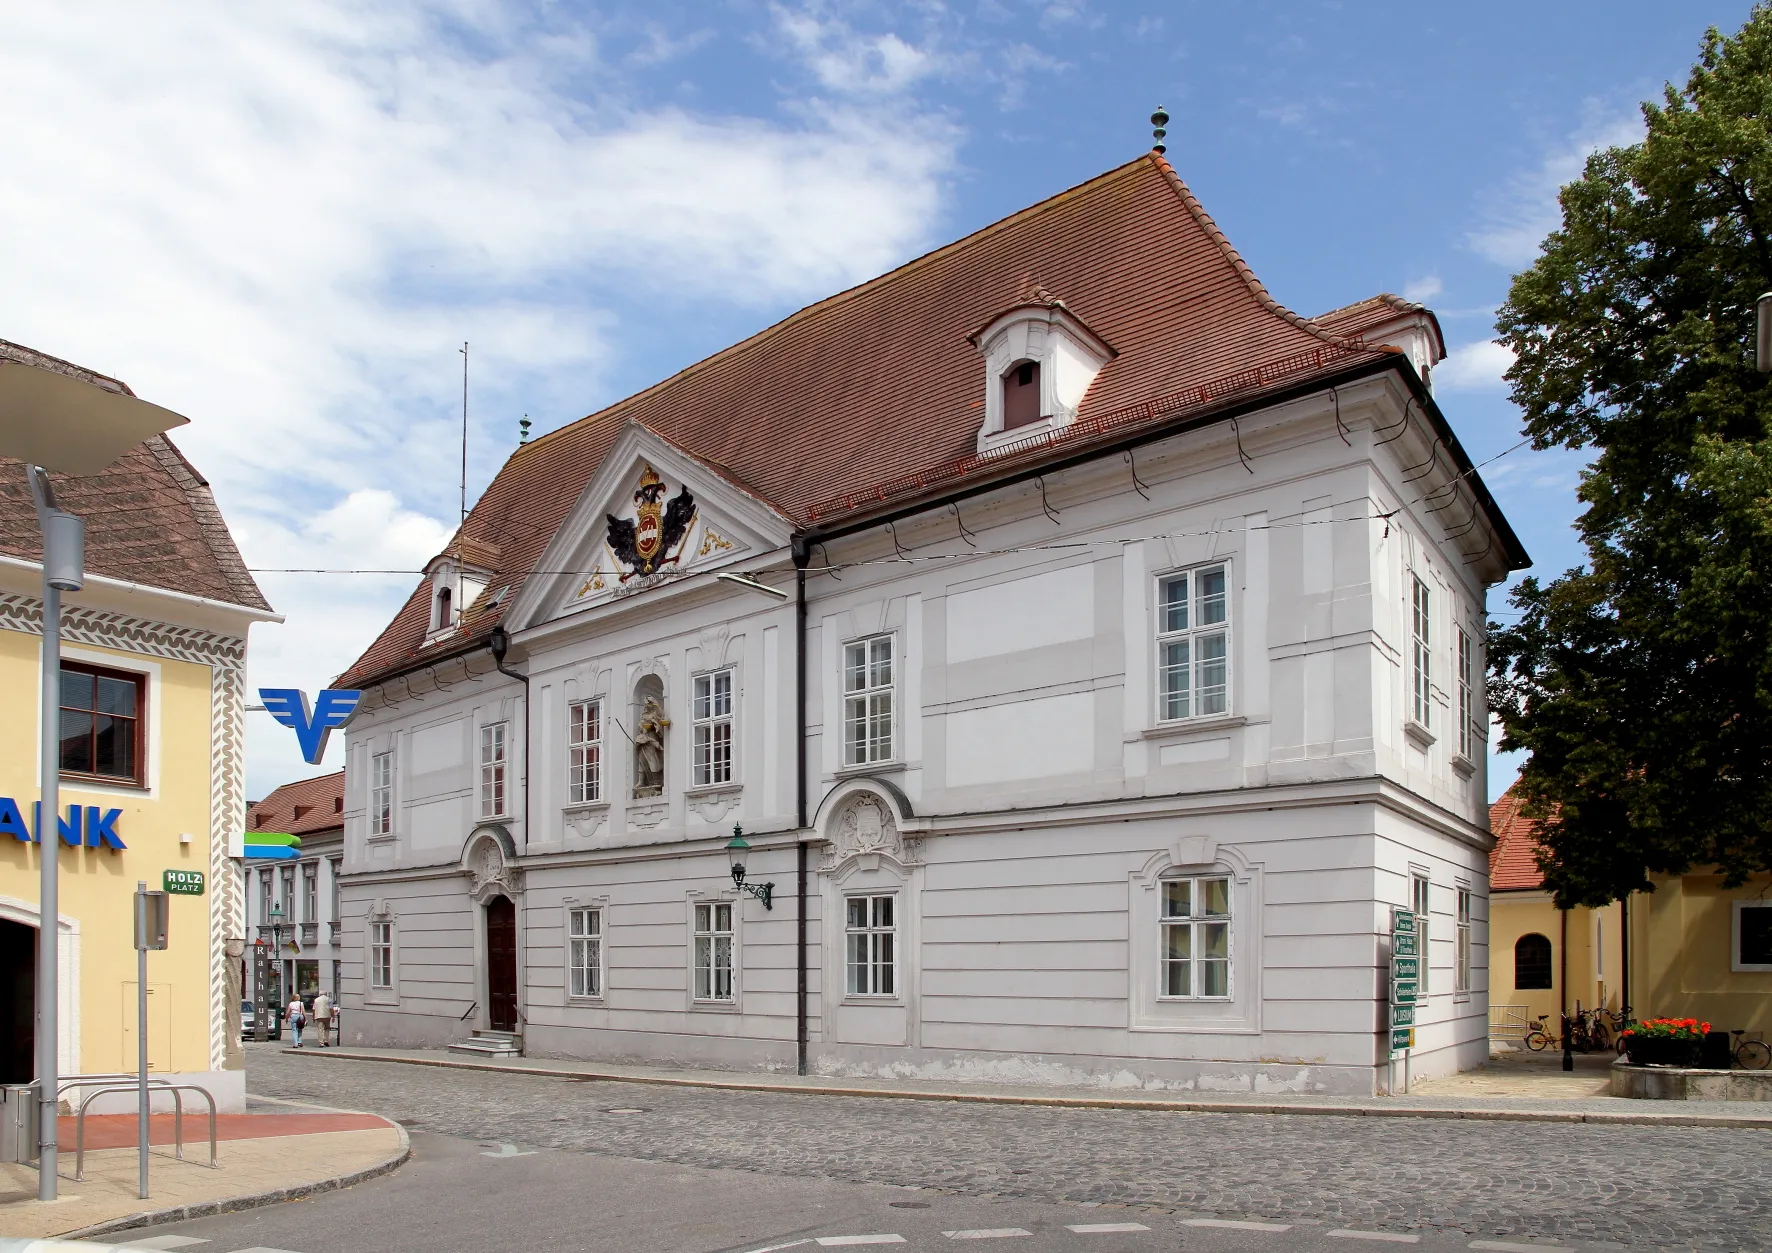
(1087, 647)
(153, 665)
(1692, 948)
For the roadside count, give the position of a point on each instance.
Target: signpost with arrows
(1405, 983)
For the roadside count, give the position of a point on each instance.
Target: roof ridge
(1399, 303)
(848, 293)
(1256, 287)
(69, 368)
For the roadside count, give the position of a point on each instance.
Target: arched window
(1532, 962)
(442, 618)
(1021, 394)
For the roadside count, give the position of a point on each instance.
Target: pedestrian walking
(296, 1016)
(323, 1017)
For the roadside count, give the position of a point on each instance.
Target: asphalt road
(597, 1165)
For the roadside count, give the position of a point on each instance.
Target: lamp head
(736, 851)
(499, 642)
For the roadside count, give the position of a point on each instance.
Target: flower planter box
(1661, 1051)
(1663, 1083)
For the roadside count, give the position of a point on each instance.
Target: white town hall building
(1089, 649)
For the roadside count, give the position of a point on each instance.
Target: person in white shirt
(296, 1015)
(322, 1016)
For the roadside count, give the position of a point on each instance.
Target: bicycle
(1621, 1021)
(1751, 1054)
(1538, 1039)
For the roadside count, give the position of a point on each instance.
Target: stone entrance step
(490, 1044)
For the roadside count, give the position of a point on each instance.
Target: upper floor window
(1193, 644)
(1021, 395)
(310, 893)
(867, 701)
(1421, 699)
(492, 769)
(443, 609)
(381, 794)
(1461, 973)
(712, 717)
(102, 723)
(584, 741)
(1196, 938)
(336, 869)
(1471, 709)
(264, 898)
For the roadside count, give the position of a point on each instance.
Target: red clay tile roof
(872, 395)
(150, 517)
(1513, 862)
(321, 802)
(1354, 320)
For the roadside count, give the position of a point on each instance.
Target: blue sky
(283, 221)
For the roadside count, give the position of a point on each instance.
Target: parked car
(249, 1022)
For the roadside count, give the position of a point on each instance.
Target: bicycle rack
(178, 1121)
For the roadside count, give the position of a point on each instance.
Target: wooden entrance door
(501, 963)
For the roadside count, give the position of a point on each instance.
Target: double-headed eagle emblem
(650, 542)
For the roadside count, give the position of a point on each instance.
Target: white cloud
(1525, 209)
(848, 61)
(1422, 290)
(283, 220)
(1477, 366)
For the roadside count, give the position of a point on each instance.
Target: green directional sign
(1403, 991)
(1405, 967)
(1402, 1015)
(1402, 921)
(182, 882)
(1403, 945)
(1402, 1038)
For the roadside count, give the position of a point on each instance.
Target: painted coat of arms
(651, 541)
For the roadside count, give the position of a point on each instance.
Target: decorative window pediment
(1040, 359)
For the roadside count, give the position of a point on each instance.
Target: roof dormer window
(1021, 395)
(1039, 362)
(443, 609)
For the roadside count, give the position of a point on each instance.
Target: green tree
(1641, 684)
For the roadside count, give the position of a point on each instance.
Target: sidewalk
(262, 1157)
(1515, 1088)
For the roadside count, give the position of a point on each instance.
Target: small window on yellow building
(1532, 962)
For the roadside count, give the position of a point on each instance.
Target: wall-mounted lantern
(736, 850)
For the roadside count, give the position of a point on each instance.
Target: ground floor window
(585, 940)
(381, 956)
(713, 951)
(1196, 938)
(1532, 962)
(1461, 978)
(872, 944)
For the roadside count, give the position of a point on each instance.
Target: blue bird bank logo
(289, 706)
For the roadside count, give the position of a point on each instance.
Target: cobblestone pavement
(1577, 1183)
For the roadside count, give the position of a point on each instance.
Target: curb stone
(1081, 1102)
(253, 1200)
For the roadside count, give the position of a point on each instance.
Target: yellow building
(1695, 948)
(153, 675)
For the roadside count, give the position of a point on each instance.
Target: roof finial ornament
(523, 430)
(1159, 120)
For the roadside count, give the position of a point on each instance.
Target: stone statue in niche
(649, 740)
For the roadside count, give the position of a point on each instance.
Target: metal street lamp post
(51, 421)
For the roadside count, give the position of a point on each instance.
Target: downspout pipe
(802, 551)
(499, 643)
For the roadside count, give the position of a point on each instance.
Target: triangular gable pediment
(652, 515)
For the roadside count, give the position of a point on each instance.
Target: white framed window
(264, 898)
(713, 951)
(584, 741)
(1418, 905)
(381, 794)
(584, 958)
(335, 868)
(1461, 974)
(872, 944)
(711, 716)
(493, 752)
(310, 893)
(1193, 644)
(1196, 938)
(381, 956)
(1470, 730)
(286, 894)
(1421, 668)
(867, 701)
